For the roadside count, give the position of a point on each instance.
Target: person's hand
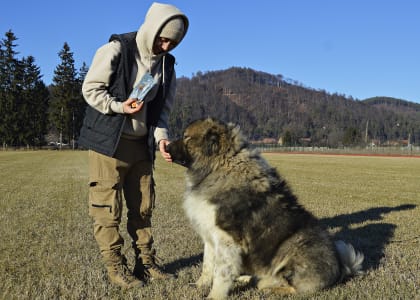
(130, 106)
(162, 148)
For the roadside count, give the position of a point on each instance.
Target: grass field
(47, 249)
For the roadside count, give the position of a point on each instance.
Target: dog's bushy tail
(351, 259)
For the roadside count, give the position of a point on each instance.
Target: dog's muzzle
(178, 153)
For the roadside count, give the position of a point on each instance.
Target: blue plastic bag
(146, 83)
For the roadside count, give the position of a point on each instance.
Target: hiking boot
(138, 270)
(120, 275)
(154, 271)
(147, 267)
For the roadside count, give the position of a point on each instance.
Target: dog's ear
(211, 142)
(237, 140)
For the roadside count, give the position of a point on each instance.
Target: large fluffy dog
(249, 219)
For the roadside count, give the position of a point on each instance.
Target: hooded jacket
(100, 79)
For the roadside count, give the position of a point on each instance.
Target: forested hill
(396, 105)
(269, 106)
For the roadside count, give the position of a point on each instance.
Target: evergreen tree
(81, 103)
(65, 97)
(23, 97)
(351, 137)
(9, 90)
(2, 93)
(35, 95)
(82, 72)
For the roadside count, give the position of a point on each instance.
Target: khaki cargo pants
(129, 177)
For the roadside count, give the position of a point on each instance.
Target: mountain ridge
(270, 106)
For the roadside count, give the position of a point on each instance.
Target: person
(121, 134)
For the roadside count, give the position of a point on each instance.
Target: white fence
(406, 151)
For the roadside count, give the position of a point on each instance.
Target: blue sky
(359, 48)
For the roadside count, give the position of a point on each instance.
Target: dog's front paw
(215, 295)
(203, 282)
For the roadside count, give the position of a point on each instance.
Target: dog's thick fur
(249, 219)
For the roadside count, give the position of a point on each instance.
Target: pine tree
(65, 97)
(80, 105)
(82, 72)
(9, 90)
(23, 97)
(2, 93)
(36, 103)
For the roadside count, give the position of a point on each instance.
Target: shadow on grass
(182, 263)
(370, 239)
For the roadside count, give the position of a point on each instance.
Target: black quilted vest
(101, 132)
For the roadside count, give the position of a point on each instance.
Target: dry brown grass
(48, 251)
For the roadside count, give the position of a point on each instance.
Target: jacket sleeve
(161, 131)
(98, 78)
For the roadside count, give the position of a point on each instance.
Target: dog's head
(204, 140)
